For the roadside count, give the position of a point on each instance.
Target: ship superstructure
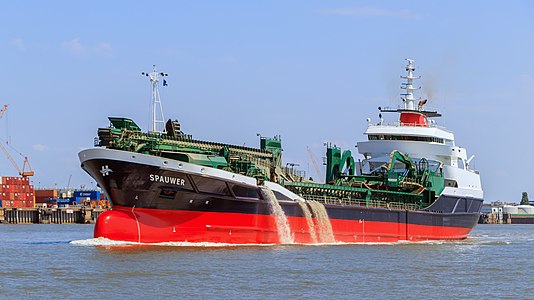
(417, 135)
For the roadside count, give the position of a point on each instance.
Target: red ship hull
(191, 206)
(154, 226)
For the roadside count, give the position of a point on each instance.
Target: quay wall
(70, 215)
(506, 218)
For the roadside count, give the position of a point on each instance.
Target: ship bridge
(398, 131)
(416, 134)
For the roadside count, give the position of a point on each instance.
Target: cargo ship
(411, 183)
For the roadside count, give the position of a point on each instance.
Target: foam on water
(107, 243)
(111, 243)
(101, 242)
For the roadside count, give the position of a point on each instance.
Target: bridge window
(406, 138)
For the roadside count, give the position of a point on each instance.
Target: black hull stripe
(129, 184)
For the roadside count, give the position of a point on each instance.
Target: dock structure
(495, 218)
(67, 215)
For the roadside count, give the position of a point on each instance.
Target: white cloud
(103, 48)
(368, 11)
(73, 46)
(39, 148)
(76, 47)
(19, 43)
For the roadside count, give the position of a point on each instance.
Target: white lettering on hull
(167, 179)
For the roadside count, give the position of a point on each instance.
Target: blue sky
(311, 71)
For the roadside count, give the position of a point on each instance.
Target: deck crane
(22, 172)
(315, 164)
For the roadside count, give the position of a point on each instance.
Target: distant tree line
(524, 199)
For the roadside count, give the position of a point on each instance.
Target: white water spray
(326, 234)
(282, 225)
(307, 214)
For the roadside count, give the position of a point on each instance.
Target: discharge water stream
(284, 232)
(308, 215)
(326, 234)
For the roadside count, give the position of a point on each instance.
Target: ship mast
(158, 120)
(408, 99)
(410, 114)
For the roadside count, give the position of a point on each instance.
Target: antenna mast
(408, 98)
(158, 120)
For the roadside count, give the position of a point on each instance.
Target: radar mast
(157, 118)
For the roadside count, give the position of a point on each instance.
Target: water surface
(63, 261)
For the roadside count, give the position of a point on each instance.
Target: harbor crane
(22, 172)
(321, 178)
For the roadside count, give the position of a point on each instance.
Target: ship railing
(361, 202)
(399, 124)
(294, 172)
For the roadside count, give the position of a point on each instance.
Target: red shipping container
(40, 199)
(46, 193)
